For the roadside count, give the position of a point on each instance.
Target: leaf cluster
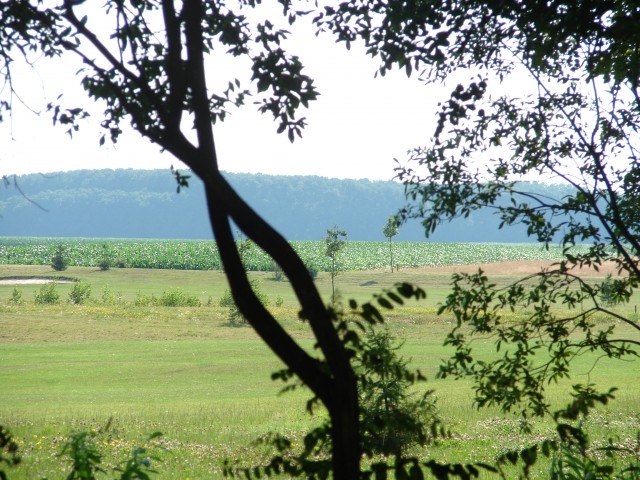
(577, 125)
(59, 261)
(532, 352)
(9, 455)
(571, 455)
(86, 459)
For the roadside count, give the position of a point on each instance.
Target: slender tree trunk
(333, 276)
(345, 432)
(339, 391)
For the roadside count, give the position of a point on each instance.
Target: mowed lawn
(206, 385)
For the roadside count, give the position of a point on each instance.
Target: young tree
(577, 124)
(244, 248)
(390, 230)
(334, 242)
(105, 261)
(144, 62)
(59, 261)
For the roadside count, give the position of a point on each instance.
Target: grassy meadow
(205, 384)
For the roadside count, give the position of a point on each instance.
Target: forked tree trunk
(338, 389)
(334, 385)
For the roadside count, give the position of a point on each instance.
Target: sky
(356, 128)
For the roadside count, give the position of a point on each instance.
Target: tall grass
(182, 370)
(207, 387)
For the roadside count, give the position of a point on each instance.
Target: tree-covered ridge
(144, 204)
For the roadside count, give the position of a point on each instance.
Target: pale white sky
(355, 129)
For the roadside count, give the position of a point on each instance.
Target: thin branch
(114, 62)
(7, 182)
(596, 156)
(221, 199)
(175, 68)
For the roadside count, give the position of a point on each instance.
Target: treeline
(145, 204)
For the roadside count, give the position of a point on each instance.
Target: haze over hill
(144, 204)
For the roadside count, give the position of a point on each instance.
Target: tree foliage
(392, 418)
(59, 261)
(334, 243)
(577, 124)
(390, 230)
(9, 455)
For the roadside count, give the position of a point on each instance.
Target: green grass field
(206, 385)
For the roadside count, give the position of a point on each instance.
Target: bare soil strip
(523, 267)
(32, 281)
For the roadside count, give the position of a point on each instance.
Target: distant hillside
(144, 204)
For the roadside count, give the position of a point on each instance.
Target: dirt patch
(32, 281)
(524, 267)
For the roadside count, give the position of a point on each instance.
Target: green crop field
(124, 354)
(203, 255)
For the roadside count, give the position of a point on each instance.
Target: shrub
(313, 271)
(16, 297)
(236, 318)
(105, 261)
(120, 263)
(104, 264)
(59, 261)
(227, 299)
(177, 298)
(392, 418)
(145, 300)
(81, 449)
(108, 297)
(608, 295)
(8, 451)
(47, 295)
(80, 292)
(86, 460)
(278, 274)
(170, 298)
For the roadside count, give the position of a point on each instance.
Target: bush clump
(107, 259)
(227, 299)
(278, 274)
(108, 296)
(59, 262)
(235, 317)
(393, 418)
(170, 298)
(177, 298)
(47, 295)
(145, 300)
(16, 297)
(80, 293)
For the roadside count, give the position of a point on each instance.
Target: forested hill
(144, 204)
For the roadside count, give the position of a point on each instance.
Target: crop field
(154, 350)
(203, 255)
